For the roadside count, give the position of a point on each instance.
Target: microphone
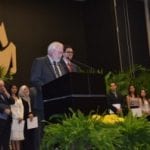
(83, 65)
(86, 68)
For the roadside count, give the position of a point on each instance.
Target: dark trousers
(33, 136)
(38, 132)
(28, 143)
(5, 127)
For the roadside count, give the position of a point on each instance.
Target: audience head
(113, 86)
(24, 91)
(13, 89)
(55, 50)
(132, 90)
(68, 52)
(143, 93)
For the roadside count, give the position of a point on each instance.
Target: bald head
(2, 85)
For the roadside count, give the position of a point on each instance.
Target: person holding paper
(115, 100)
(24, 93)
(17, 127)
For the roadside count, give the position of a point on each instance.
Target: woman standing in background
(24, 93)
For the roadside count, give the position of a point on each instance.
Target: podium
(82, 91)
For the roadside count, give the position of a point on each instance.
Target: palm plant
(4, 75)
(139, 76)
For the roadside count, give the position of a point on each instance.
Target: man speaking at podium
(45, 69)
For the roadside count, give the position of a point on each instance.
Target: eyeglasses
(69, 52)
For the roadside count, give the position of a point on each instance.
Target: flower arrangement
(108, 119)
(95, 132)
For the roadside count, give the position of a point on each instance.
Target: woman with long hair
(17, 110)
(133, 101)
(145, 102)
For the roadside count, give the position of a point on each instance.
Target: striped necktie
(56, 69)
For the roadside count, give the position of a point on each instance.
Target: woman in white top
(17, 109)
(145, 102)
(133, 101)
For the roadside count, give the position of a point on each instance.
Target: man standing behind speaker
(44, 70)
(68, 54)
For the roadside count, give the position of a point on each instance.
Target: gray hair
(54, 45)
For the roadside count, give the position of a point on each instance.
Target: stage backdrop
(89, 26)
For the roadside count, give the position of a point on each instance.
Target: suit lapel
(49, 65)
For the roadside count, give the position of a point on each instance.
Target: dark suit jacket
(26, 108)
(5, 104)
(111, 99)
(41, 73)
(5, 121)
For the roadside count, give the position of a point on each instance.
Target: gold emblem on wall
(7, 52)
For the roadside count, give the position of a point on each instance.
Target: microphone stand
(81, 64)
(89, 68)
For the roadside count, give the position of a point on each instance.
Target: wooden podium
(85, 92)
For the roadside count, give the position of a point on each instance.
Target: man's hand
(7, 111)
(5, 92)
(20, 120)
(30, 117)
(119, 111)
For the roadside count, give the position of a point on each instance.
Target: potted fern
(80, 132)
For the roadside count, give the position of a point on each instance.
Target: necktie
(69, 65)
(115, 94)
(57, 72)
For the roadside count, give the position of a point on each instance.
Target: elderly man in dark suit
(48, 68)
(45, 69)
(5, 116)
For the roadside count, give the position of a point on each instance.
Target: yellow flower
(112, 119)
(107, 119)
(96, 117)
(121, 119)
